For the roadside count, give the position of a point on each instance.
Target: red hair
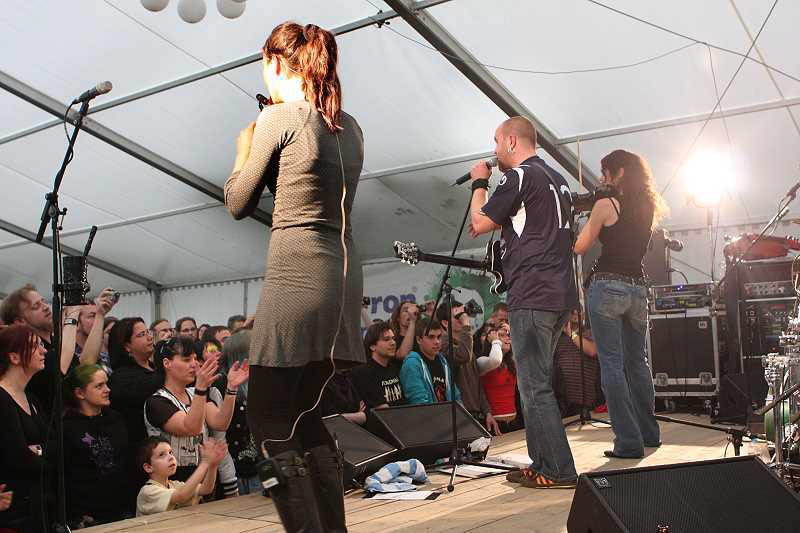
(18, 339)
(311, 52)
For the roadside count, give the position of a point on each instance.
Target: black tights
(276, 396)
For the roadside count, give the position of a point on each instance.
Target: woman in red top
(499, 379)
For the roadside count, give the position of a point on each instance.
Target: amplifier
(763, 321)
(768, 289)
(684, 353)
(679, 297)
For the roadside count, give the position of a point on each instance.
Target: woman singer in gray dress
(309, 153)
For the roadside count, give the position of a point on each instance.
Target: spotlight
(708, 176)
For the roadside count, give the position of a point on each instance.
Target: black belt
(612, 276)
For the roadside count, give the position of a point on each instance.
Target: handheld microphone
(793, 191)
(97, 90)
(674, 244)
(490, 163)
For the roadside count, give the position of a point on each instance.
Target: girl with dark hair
(403, 321)
(180, 412)
(134, 378)
(617, 299)
(23, 427)
(309, 153)
(499, 378)
(96, 450)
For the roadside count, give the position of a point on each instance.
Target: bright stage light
(708, 176)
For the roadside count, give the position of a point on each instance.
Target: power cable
(699, 41)
(384, 24)
(719, 100)
(174, 45)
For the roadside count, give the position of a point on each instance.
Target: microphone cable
(345, 268)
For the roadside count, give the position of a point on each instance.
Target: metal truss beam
(54, 107)
(680, 121)
(122, 223)
(378, 18)
(455, 52)
(99, 263)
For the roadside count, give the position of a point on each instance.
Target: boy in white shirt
(160, 494)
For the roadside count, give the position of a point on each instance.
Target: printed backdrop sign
(387, 285)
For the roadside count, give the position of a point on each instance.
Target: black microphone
(97, 90)
(490, 163)
(793, 191)
(673, 244)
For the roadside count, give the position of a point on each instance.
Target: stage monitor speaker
(717, 496)
(425, 431)
(734, 400)
(364, 453)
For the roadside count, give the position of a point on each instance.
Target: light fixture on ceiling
(193, 11)
(709, 175)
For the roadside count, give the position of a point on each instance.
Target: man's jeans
(533, 336)
(618, 316)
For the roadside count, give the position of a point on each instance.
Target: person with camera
(617, 299)
(532, 206)
(462, 361)
(403, 321)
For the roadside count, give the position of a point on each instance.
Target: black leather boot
(296, 500)
(326, 470)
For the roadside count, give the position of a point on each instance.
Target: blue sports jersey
(537, 257)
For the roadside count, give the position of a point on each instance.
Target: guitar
(767, 247)
(408, 252)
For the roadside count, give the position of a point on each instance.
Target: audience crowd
(155, 418)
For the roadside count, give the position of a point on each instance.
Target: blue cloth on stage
(397, 477)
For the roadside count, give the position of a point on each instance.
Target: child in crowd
(160, 494)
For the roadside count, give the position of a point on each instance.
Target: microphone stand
(585, 414)
(51, 214)
(457, 455)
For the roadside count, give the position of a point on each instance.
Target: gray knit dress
(296, 156)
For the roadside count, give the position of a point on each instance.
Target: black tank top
(625, 242)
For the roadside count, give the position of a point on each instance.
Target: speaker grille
(725, 497)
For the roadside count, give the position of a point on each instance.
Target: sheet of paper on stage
(413, 495)
(520, 460)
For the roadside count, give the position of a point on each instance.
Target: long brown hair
(637, 184)
(18, 339)
(311, 52)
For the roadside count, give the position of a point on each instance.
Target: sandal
(539, 481)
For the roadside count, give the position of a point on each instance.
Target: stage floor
(488, 504)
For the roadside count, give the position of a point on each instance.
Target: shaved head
(521, 128)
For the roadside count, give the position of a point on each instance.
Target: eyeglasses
(263, 101)
(145, 333)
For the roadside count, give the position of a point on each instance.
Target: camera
(585, 202)
(472, 308)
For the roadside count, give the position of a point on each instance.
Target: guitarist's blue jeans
(533, 336)
(618, 316)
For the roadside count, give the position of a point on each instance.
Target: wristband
(201, 392)
(70, 321)
(481, 183)
(231, 392)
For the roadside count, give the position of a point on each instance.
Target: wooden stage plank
(478, 505)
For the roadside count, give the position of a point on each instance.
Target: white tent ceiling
(424, 120)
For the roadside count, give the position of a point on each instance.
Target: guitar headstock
(407, 252)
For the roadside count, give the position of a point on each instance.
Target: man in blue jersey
(532, 208)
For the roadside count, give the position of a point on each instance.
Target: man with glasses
(162, 330)
(187, 327)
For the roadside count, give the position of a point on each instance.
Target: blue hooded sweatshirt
(417, 382)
